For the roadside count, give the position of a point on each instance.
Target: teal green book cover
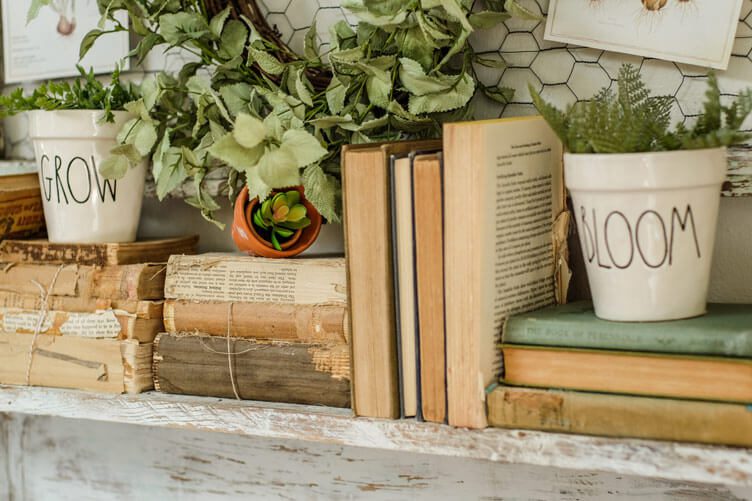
(726, 330)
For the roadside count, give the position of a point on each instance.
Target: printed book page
(525, 194)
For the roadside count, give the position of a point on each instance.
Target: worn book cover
(105, 365)
(726, 330)
(621, 416)
(103, 254)
(217, 366)
(21, 211)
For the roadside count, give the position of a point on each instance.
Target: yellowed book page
(524, 196)
(100, 324)
(406, 282)
(63, 361)
(227, 277)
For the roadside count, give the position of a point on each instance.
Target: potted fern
(645, 196)
(74, 127)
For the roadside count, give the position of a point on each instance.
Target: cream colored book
(503, 198)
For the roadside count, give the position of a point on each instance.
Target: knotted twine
(43, 311)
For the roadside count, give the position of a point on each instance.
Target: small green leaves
(304, 148)
(266, 61)
(249, 131)
(280, 216)
(114, 167)
(181, 27)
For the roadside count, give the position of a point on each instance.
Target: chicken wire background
(562, 73)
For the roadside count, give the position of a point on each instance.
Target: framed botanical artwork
(43, 42)
(699, 32)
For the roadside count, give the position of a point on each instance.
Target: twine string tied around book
(229, 353)
(44, 308)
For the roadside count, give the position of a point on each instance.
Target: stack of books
(21, 213)
(444, 239)
(683, 380)
(82, 316)
(255, 328)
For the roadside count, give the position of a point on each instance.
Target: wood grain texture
(21, 212)
(313, 424)
(75, 461)
(283, 322)
(315, 374)
(739, 176)
(110, 254)
(429, 267)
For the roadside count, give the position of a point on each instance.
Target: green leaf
(321, 190)
(301, 88)
(487, 19)
(453, 8)
(278, 168)
(128, 151)
(415, 80)
(228, 150)
(520, 12)
(149, 92)
(182, 26)
(237, 97)
(310, 47)
(297, 212)
(379, 90)
(335, 95)
(138, 108)
(374, 18)
(249, 131)
(217, 22)
(233, 39)
(87, 42)
(304, 148)
(293, 197)
(501, 95)
(454, 98)
(114, 167)
(34, 8)
(267, 62)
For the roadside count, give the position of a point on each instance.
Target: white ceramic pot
(647, 225)
(81, 206)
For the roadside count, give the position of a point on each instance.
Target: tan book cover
(673, 376)
(106, 254)
(429, 265)
(313, 323)
(113, 324)
(105, 365)
(142, 309)
(124, 282)
(621, 416)
(21, 212)
(304, 373)
(503, 194)
(368, 247)
(223, 277)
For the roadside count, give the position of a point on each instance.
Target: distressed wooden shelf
(662, 460)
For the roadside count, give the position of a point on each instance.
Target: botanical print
(699, 32)
(41, 39)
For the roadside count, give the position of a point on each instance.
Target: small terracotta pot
(248, 240)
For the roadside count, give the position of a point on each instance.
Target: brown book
(368, 245)
(503, 195)
(429, 265)
(674, 376)
(114, 324)
(105, 365)
(284, 322)
(303, 373)
(621, 416)
(125, 282)
(21, 211)
(110, 254)
(228, 277)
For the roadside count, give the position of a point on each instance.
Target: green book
(726, 330)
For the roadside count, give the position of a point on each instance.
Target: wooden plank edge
(642, 458)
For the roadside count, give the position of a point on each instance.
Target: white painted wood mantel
(158, 446)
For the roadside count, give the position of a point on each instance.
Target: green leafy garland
(407, 68)
(631, 120)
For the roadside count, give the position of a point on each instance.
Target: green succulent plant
(280, 216)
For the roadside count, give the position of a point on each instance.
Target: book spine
(303, 373)
(66, 280)
(130, 282)
(284, 322)
(256, 280)
(65, 303)
(105, 365)
(22, 215)
(660, 338)
(621, 416)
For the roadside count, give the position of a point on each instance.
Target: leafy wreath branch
(278, 119)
